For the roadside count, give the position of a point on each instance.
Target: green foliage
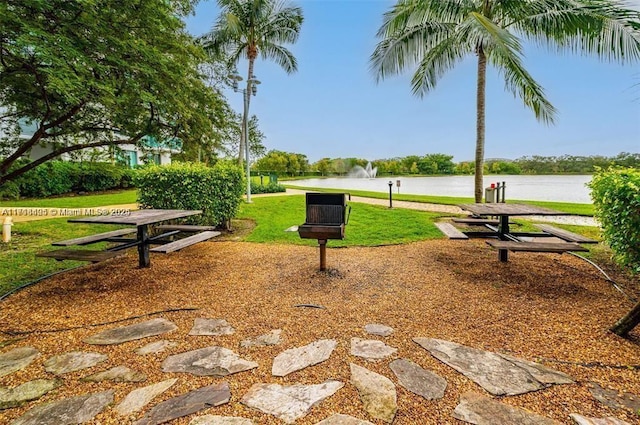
(60, 177)
(283, 163)
(217, 190)
(95, 73)
(267, 188)
(616, 198)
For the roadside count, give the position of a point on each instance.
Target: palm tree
(435, 35)
(248, 28)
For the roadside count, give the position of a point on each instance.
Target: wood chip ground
(536, 306)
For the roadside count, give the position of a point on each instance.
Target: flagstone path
(498, 374)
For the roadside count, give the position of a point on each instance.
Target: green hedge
(217, 190)
(267, 188)
(60, 177)
(616, 199)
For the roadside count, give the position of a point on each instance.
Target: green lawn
(577, 209)
(77, 201)
(369, 225)
(18, 263)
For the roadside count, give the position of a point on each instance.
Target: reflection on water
(533, 188)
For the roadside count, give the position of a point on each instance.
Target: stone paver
(32, 390)
(480, 410)
(583, 420)
(418, 380)
(133, 332)
(271, 338)
(68, 411)
(116, 374)
(17, 359)
(220, 420)
(371, 349)
(491, 371)
(295, 359)
(615, 399)
(137, 399)
(73, 361)
(155, 347)
(340, 419)
(377, 392)
(211, 327)
(186, 404)
(218, 361)
(288, 403)
(378, 329)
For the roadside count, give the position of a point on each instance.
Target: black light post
(390, 194)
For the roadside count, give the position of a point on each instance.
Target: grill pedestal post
(323, 254)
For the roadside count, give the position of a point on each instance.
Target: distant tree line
(296, 164)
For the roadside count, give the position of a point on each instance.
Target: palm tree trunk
(480, 128)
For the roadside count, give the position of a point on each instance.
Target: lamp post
(252, 89)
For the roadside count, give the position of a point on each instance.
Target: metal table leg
(143, 246)
(503, 231)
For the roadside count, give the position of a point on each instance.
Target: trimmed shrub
(50, 178)
(60, 177)
(267, 188)
(616, 198)
(96, 176)
(217, 190)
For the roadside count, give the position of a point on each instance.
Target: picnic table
(512, 241)
(141, 219)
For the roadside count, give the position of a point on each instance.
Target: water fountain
(367, 172)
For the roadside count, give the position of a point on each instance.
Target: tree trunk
(628, 322)
(480, 98)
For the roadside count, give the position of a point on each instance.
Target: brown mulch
(542, 307)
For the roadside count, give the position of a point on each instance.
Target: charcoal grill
(327, 214)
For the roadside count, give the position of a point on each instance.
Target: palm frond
(280, 55)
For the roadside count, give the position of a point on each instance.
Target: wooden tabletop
(138, 217)
(499, 209)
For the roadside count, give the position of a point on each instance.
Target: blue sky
(332, 107)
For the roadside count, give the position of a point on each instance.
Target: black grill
(326, 218)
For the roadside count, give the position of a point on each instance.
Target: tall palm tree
(248, 28)
(435, 35)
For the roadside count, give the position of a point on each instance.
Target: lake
(557, 188)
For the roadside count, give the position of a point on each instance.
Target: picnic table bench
(80, 255)
(142, 219)
(552, 247)
(514, 241)
(450, 231)
(564, 234)
(85, 240)
(185, 242)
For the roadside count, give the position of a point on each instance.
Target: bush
(268, 188)
(96, 176)
(616, 198)
(50, 178)
(217, 190)
(60, 177)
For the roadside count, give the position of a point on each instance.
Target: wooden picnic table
(141, 219)
(503, 232)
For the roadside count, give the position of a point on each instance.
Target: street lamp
(252, 89)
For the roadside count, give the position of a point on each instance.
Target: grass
(77, 201)
(369, 225)
(19, 264)
(577, 209)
